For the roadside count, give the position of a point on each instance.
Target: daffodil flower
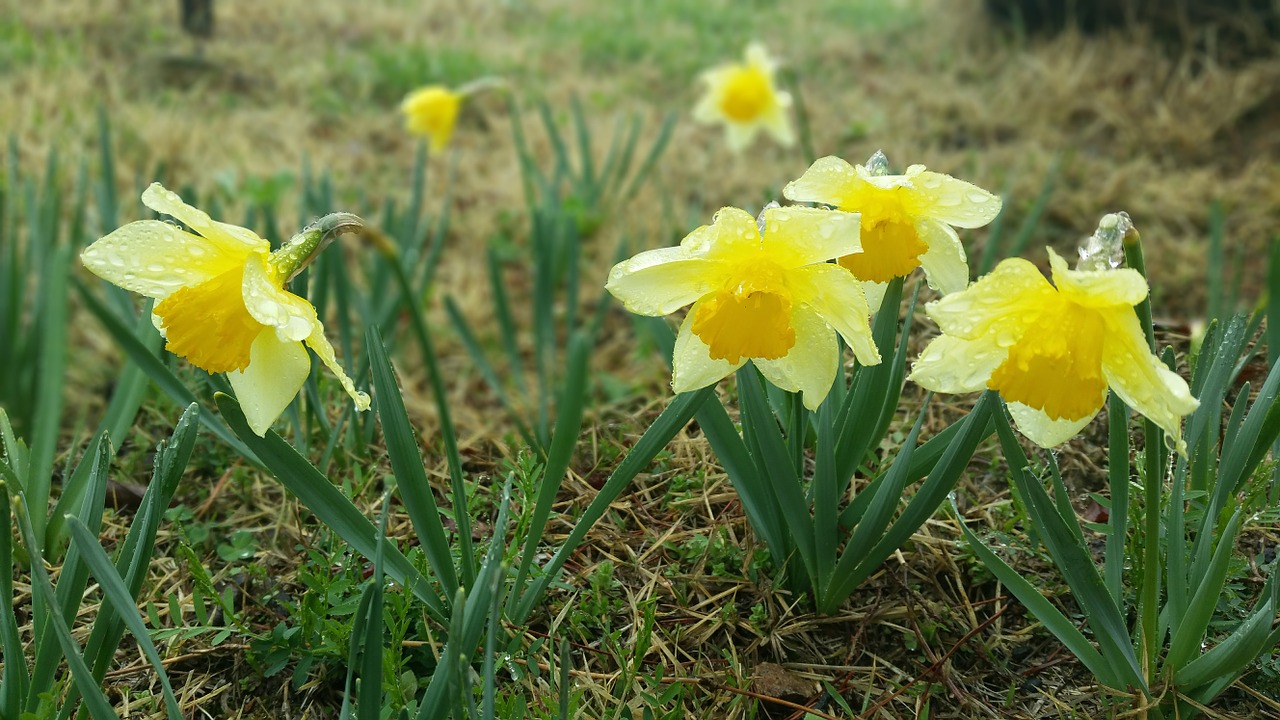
(907, 220)
(743, 98)
(1051, 351)
(432, 111)
(761, 291)
(221, 302)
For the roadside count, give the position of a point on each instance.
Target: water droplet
(116, 260)
(976, 196)
(155, 267)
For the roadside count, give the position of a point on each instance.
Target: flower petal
(275, 374)
(829, 180)
(952, 201)
(155, 258)
(1044, 430)
(810, 368)
(731, 235)
(1004, 302)
(323, 350)
(778, 124)
(657, 282)
(836, 296)
(954, 365)
(230, 238)
(944, 262)
(1098, 288)
(799, 236)
(293, 317)
(1141, 379)
(692, 367)
(875, 294)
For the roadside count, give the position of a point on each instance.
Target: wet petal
(1141, 379)
(1098, 288)
(1005, 302)
(1044, 430)
(691, 364)
(275, 374)
(810, 368)
(953, 365)
(952, 201)
(875, 294)
(799, 236)
(657, 282)
(944, 262)
(731, 236)
(323, 350)
(829, 180)
(230, 238)
(293, 317)
(155, 258)
(836, 295)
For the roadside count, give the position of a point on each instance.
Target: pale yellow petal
(692, 367)
(230, 238)
(1003, 303)
(293, 317)
(836, 296)
(799, 236)
(155, 258)
(739, 135)
(778, 123)
(273, 378)
(731, 235)
(875, 294)
(952, 201)
(323, 350)
(661, 281)
(810, 368)
(1097, 288)
(953, 365)
(944, 262)
(829, 180)
(1140, 379)
(1044, 430)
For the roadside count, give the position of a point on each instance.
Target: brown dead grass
(1131, 127)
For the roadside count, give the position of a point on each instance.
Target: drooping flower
(743, 98)
(432, 111)
(761, 291)
(221, 302)
(1052, 351)
(907, 220)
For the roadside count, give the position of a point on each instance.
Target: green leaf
(318, 494)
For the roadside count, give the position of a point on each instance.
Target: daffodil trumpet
(221, 301)
(1052, 351)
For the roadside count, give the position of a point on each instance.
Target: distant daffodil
(1053, 350)
(908, 220)
(432, 112)
(221, 302)
(762, 290)
(744, 98)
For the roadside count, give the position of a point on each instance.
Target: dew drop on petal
(978, 197)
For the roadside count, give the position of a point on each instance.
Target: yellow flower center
(891, 248)
(209, 325)
(1056, 367)
(746, 94)
(750, 317)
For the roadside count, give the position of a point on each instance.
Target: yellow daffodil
(432, 111)
(906, 219)
(1051, 351)
(762, 291)
(743, 98)
(221, 302)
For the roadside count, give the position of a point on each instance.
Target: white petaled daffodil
(744, 99)
(221, 302)
(908, 220)
(1052, 350)
(762, 290)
